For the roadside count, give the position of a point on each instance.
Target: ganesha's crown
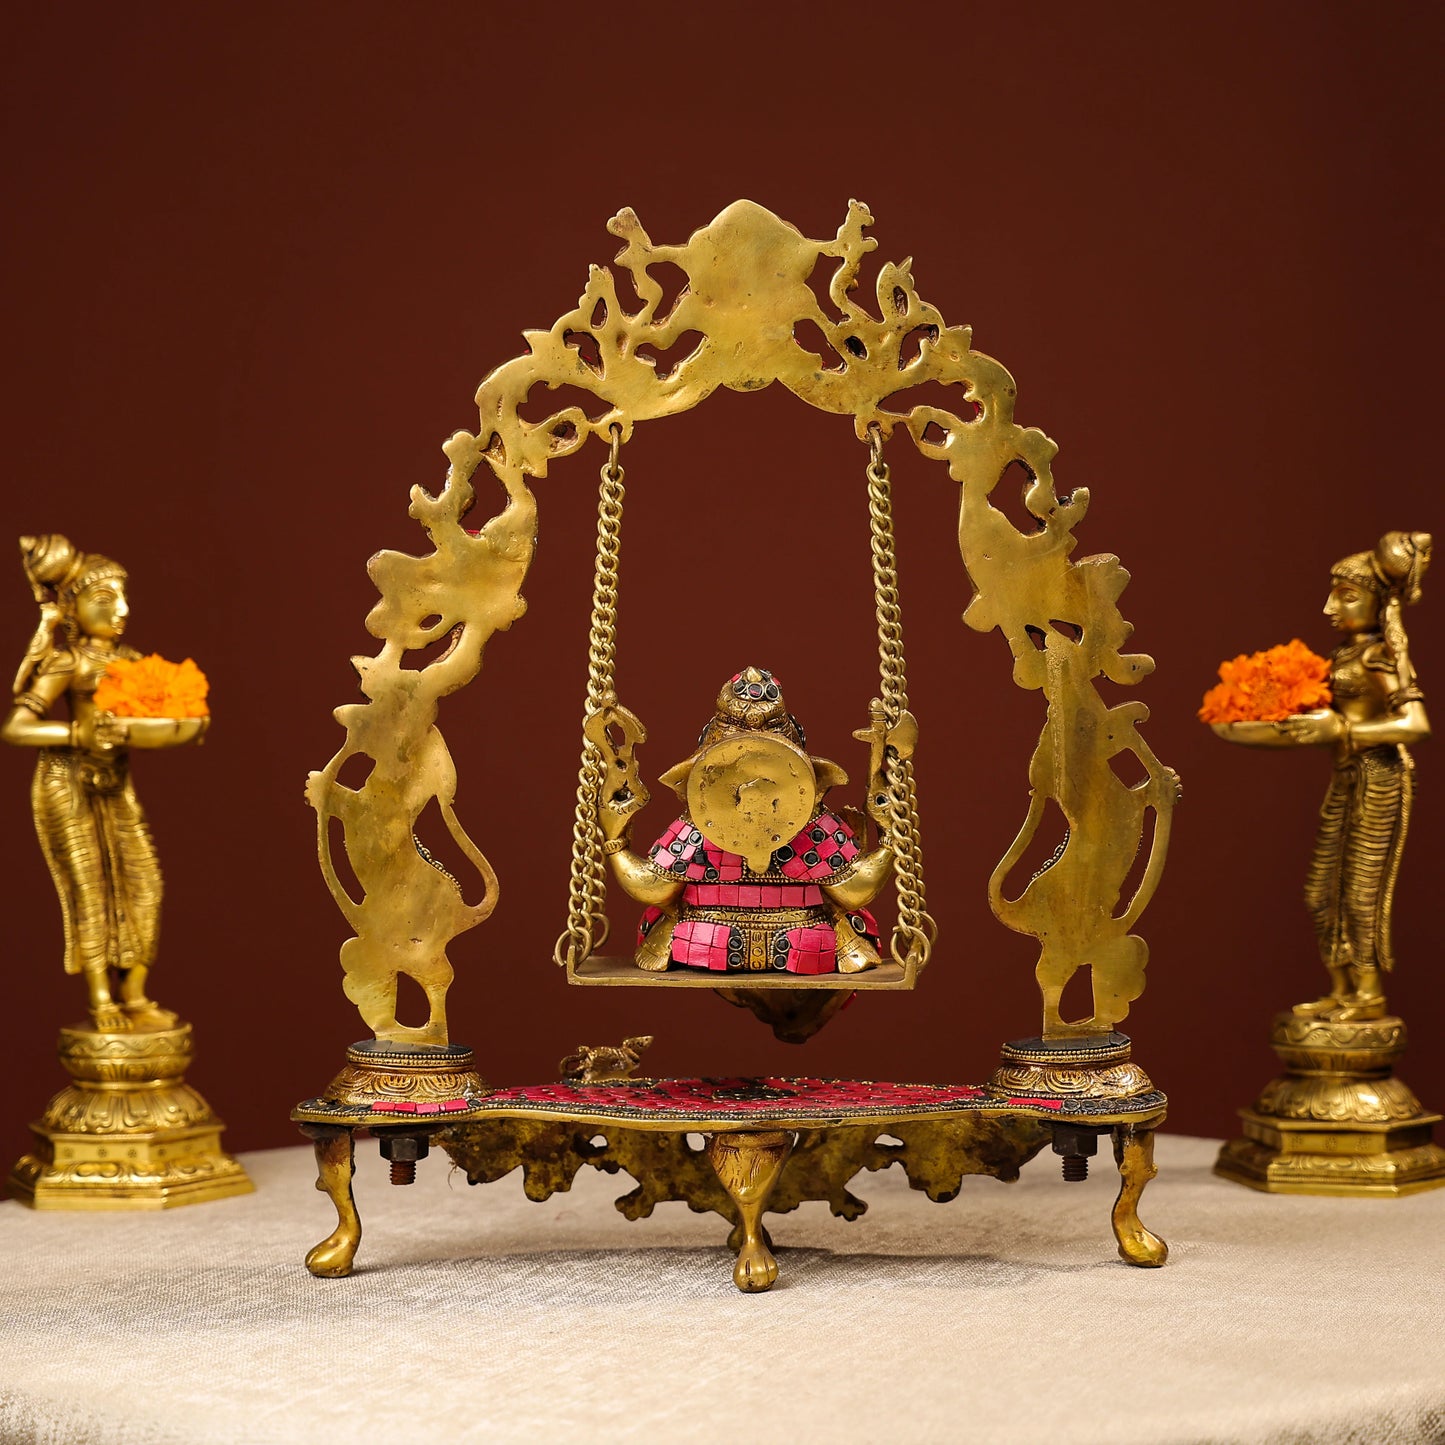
(752, 697)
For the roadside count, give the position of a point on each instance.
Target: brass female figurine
(1378, 713)
(91, 827)
(127, 1132)
(1338, 1122)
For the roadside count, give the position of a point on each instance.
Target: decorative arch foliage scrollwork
(748, 301)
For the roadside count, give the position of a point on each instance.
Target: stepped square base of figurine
(768, 1144)
(1284, 1159)
(128, 1132)
(1337, 1122)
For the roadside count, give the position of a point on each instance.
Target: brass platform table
(739, 1147)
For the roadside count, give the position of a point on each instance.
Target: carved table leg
(1134, 1151)
(335, 1164)
(748, 1166)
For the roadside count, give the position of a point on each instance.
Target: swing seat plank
(622, 971)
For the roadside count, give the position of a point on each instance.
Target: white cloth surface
(477, 1315)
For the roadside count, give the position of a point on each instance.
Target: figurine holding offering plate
(1338, 1122)
(128, 1133)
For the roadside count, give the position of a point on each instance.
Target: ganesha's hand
(1316, 729)
(616, 813)
(615, 731)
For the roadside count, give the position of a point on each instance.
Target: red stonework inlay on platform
(406, 1106)
(771, 1095)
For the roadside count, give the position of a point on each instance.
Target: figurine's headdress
(1395, 568)
(49, 561)
(1393, 572)
(57, 572)
(95, 568)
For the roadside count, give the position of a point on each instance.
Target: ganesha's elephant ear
(676, 776)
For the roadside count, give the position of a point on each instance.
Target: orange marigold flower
(1267, 686)
(152, 687)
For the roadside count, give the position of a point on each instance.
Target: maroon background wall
(258, 258)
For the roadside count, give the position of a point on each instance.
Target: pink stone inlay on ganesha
(758, 874)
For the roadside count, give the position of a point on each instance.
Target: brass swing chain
(915, 930)
(587, 925)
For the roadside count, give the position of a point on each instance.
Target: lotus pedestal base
(128, 1132)
(1338, 1121)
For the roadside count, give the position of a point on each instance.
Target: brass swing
(772, 1143)
(609, 775)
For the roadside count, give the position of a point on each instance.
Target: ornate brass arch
(747, 294)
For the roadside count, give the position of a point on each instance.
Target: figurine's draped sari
(99, 850)
(1363, 820)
